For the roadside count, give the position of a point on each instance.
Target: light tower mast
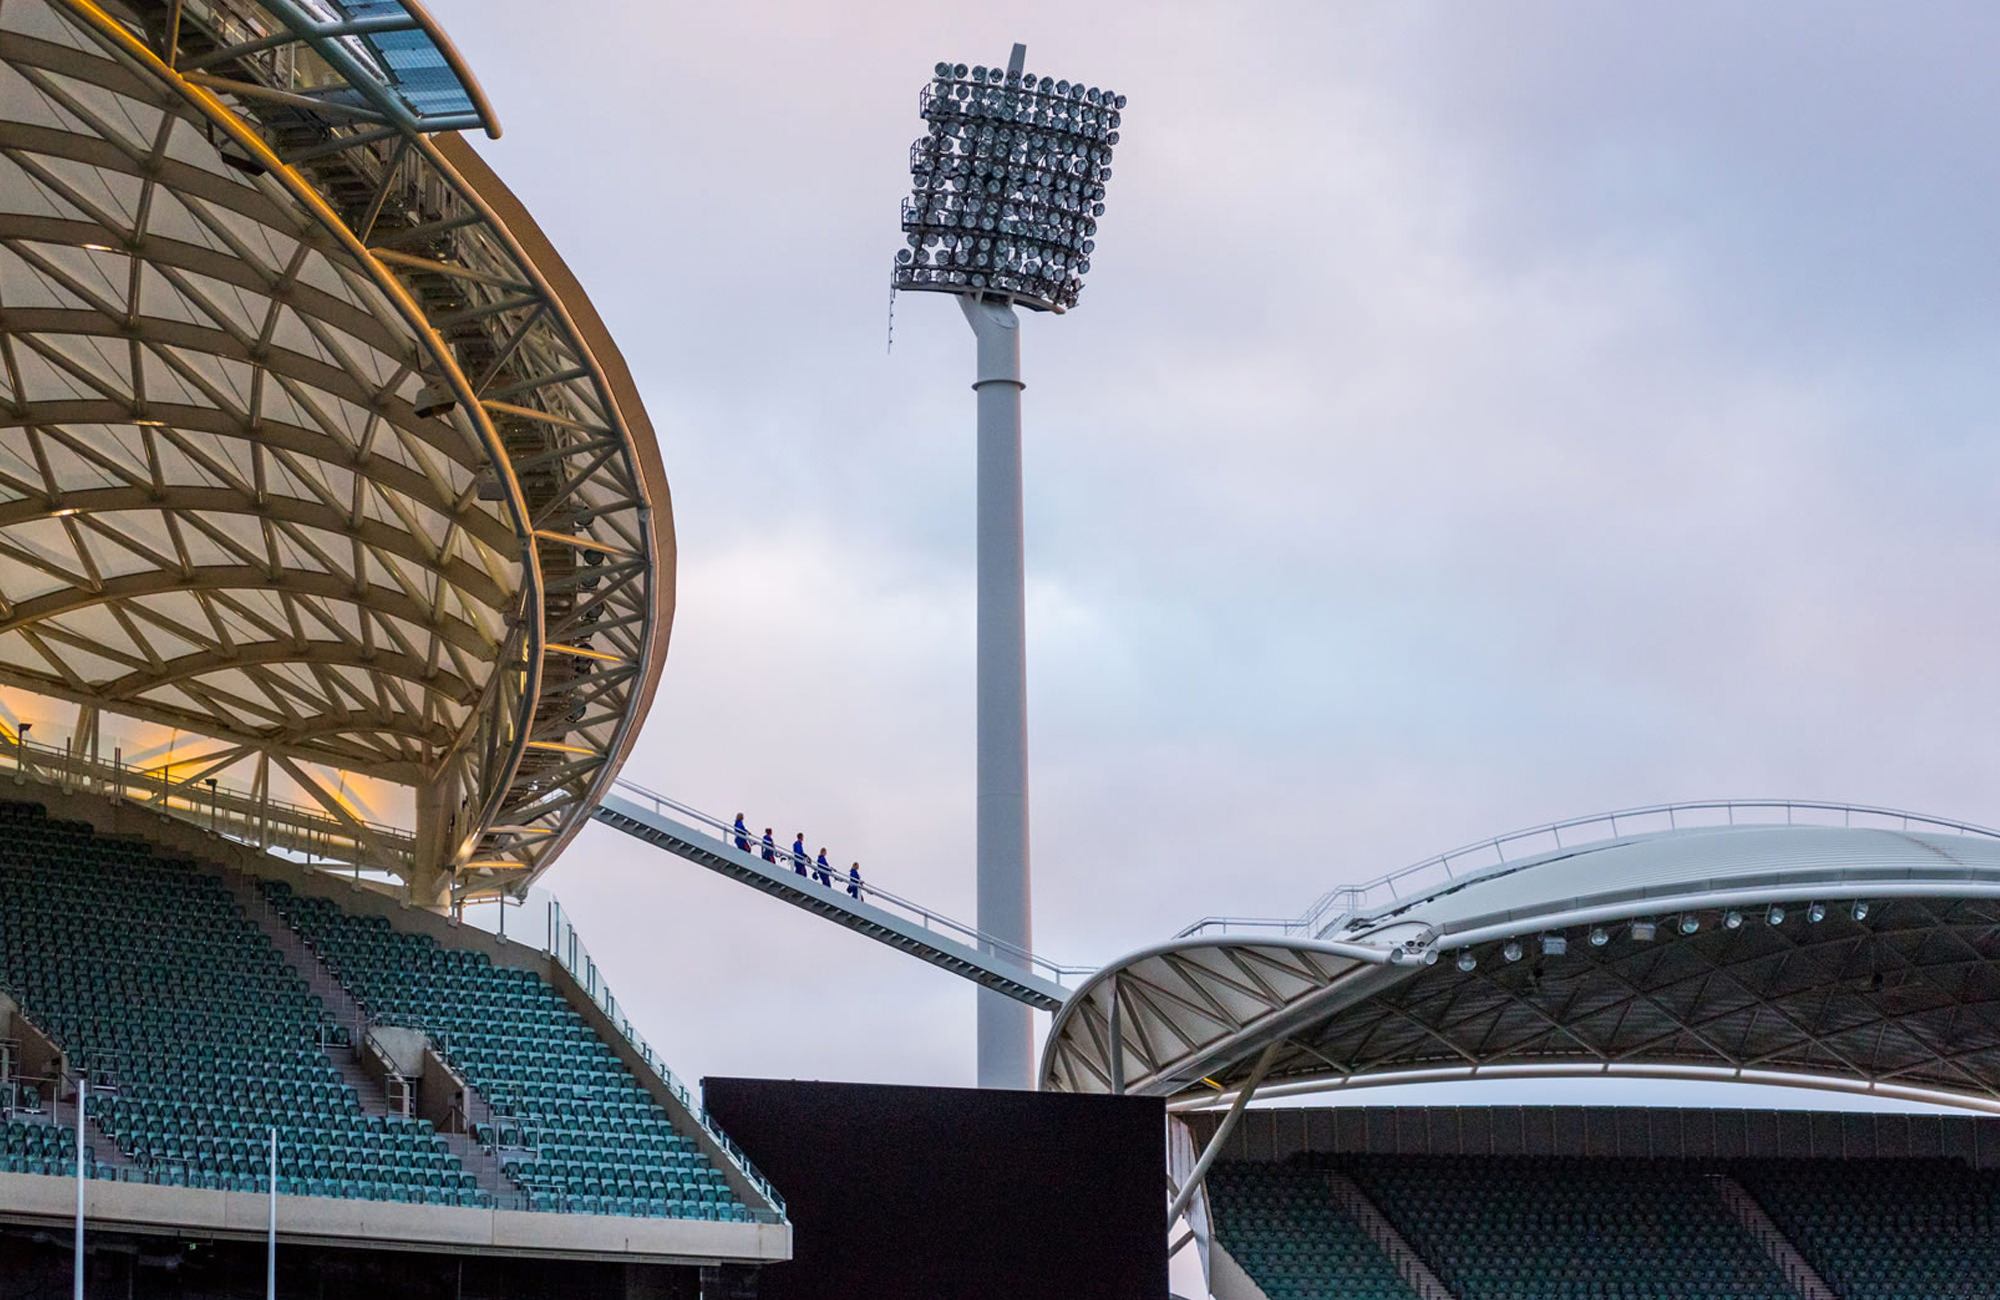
(1008, 184)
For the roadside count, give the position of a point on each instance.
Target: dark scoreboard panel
(955, 1192)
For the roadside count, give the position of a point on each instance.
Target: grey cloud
(1476, 416)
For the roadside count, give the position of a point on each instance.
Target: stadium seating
(197, 1036)
(1570, 1229)
(28, 1148)
(595, 1140)
(1280, 1224)
(1493, 1229)
(1887, 1229)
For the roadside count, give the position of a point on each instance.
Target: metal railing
(929, 918)
(566, 946)
(1335, 906)
(228, 811)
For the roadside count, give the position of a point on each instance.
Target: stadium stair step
(298, 954)
(486, 1166)
(1410, 1266)
(61, 1114)
(1756, 1221)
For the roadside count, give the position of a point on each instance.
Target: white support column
(1222, 1132)
(271, 1228)
(1006, 1027)
(82, 1102)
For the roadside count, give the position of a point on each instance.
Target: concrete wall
(37, 1060)
(34, 1198)
(1604, 1131)
(438, 1091)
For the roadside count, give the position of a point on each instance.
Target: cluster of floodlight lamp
(1008, 185)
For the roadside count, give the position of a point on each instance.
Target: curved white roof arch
(1820, 945)
(318, 473)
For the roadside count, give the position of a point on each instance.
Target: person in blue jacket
(770, 848)
(800, 862)
(854, 882)
(821, 873)
(742, 835)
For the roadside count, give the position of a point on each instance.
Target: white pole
(82, 1095)
(271, 1246)
(1006, 1027)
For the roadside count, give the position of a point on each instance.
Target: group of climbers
(816, 868)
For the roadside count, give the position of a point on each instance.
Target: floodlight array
(1008, 184)
(1554, 943)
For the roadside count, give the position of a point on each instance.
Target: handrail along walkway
(1335, 906)
(878, 913)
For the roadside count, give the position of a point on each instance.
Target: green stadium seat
(600, 1141)
(145, 971)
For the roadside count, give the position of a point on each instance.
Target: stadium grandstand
(1818, 946)
(336, 573)
(336, 579)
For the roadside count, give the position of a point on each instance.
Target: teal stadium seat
(1280, 1223)
(1887, 1229)
(590, 1138)
(1492, 1228)
(147, 975)
(1501, 1228)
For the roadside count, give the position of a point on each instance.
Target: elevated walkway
(908, 927)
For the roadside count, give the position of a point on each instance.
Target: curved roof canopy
(317, 473)
(1858, 953)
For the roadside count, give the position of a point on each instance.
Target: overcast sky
(1476, 415)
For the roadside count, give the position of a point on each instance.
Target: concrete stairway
(1798, 1270)
(367, 1083)
(298, 954)
(1360, 1207)
(484, 1165)
(61, 1112)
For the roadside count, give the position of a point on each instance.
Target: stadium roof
(1832, 947)
(317, 460)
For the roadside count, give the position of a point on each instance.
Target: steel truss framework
(299, 449)
(1897, 996)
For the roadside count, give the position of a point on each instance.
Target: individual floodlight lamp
(1007, 185)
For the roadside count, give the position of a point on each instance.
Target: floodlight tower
(1008, 184)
